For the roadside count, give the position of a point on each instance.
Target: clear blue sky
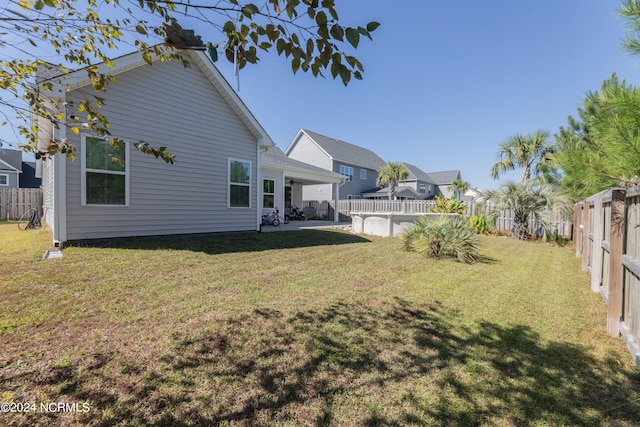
(445, 82)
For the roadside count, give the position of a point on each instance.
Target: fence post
(598, 235)
(585, 236)
(614, 309)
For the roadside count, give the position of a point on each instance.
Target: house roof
(79, 78)
(275, 158)
(444, 177)
(401, 191)
(345, 152)
(11, 160)
(416, 174)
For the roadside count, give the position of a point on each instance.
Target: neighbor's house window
(268, 193)
(422, 188)
(363, 174)
(347, 171)
(105, 172)
(4, 180)
(239, 184)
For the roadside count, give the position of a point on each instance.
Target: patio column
(336, 202)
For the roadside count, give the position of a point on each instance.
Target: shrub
(480, 224)
(450, 236)
(452, 205)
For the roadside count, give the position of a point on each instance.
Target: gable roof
(342, 151)
(11, 160)
(79, 78)
(275, 157)
(444, 177)
(416, 174)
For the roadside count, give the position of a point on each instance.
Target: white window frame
(422, 188)
(264, 193)
(84, 170)
(229, 183)
(6, 180)
(363, 174)
(347, 171)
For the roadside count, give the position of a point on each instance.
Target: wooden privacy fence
(561, 224)
(16, 201)
(607, 240)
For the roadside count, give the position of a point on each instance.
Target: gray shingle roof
(444, 177)
(346, 152)
(416, 174)
(13, 158)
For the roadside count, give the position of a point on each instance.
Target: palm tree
(391, 174)
(532, 199)
(532, 152)
(460, 187)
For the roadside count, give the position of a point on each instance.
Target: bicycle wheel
(276, 222)
(23, 222)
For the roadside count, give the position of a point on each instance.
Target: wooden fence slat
(614, 310)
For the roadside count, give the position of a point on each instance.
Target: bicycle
(30, 220)
(272, 219)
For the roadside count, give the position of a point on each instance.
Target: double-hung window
(4, 180)
(268, 193)
(347, 171)
(363, 174)
(105, 172)
(239, 183)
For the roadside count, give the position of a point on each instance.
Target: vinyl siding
(279, 191)
(305, 150)
(168, 105)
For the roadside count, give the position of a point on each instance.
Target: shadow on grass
(220, 243)
(347, 364)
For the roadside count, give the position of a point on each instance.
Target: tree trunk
(520, 230)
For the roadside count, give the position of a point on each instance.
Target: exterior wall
(305, 150)
(279, 191)
(358, 185)
(12, 179)
(445, 190)
(168, 105)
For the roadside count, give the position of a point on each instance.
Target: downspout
(259, 148)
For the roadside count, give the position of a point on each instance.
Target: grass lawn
(305, 328)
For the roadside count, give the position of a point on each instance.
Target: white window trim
(6, 184)
(84, 170)
(229, 160)
(349, 177)
(269, 194)
(363, 174)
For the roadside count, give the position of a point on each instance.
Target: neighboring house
(10, 168)
(284, 178)
(358, 165)
(14, 173)
(403, 192)
(444, 180)
(214, 186)
(420, 182)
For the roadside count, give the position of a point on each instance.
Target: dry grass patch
(306, 328)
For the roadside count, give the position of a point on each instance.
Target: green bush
(449, 236)
(480, 224)
(452, 205)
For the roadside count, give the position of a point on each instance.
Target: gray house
(10, 168)
(358, 165)
(443, 180)
(215, 185)
(420, 182)
(14, 173)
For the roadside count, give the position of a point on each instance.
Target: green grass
(306, 328)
